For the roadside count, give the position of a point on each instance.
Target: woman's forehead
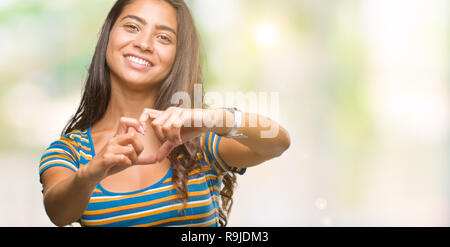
(153, 12)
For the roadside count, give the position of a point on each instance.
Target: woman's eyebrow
(167, 28)
(159, 26)
(137, 18)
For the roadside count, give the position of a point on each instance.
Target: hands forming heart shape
(173, 127)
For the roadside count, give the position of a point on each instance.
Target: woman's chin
(140, 84)
(137, 81)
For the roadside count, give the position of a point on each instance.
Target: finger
(125, 123)
(147, 114)
(141, 158)
(171, 127)
(131, 132)
(131, 138)
(163, 116)
(164, 150)
(157, 126)
(128, 151)
(179, 123)
(159, 133)
(146, 158)
(122, 160)
(186, 118)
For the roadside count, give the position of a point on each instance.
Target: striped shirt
(156, 205)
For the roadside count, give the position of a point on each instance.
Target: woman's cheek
(168, 57)
(112, 46)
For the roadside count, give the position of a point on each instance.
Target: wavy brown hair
(185, 72)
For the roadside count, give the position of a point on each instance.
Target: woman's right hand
(120, 152)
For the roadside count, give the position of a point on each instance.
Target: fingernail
(141, 129)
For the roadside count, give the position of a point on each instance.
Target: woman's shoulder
(75, 141)
(77, 135)
(70, 150)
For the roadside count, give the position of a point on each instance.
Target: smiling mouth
(138, 61)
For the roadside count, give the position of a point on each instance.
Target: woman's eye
(131, 27)
(164, 37)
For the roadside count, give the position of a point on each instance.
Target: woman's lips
(133, 62)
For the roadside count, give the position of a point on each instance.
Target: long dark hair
(185, 72)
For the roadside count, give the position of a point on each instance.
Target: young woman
(129, 157)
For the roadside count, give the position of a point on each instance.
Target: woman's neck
(125, 102)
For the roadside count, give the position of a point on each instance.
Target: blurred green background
(363, 91)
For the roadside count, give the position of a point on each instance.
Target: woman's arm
(266, 139)
(67, 193)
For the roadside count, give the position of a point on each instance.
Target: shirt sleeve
(59, 153)
(210, 146)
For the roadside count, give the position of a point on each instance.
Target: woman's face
(142, 43)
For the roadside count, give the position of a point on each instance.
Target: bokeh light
(265, 35)
(363, 87)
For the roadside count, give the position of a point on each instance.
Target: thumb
(146, 158)
(165, 149)
(126, 123)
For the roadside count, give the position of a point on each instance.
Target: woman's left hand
(176, 125)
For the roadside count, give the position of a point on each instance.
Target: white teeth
(138, 60)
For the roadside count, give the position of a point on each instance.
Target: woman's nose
(145, 44)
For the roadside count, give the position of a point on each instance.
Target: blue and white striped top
(156, 205)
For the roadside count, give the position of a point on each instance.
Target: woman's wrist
(86, 175)
(225, 123)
